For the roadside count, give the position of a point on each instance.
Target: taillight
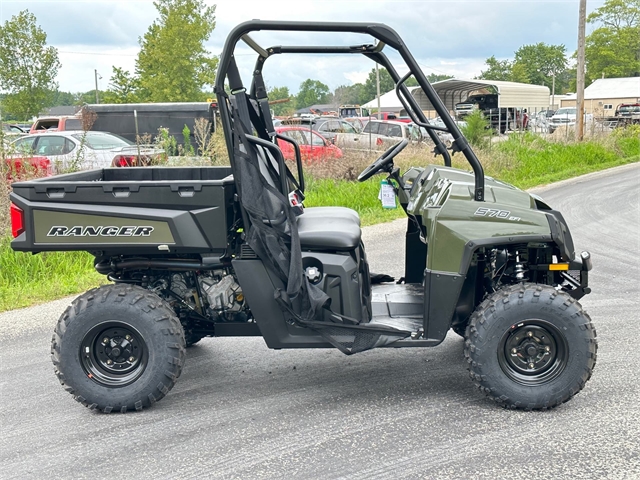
(378, 141)
(17, 220)
(125, 161)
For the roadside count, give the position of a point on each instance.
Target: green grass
(27, 279)
(529, 160)
(362, 197)
(524, 161)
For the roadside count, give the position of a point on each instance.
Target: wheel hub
(533, 352)
(119, 349)
(113, 354)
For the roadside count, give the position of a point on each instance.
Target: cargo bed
(146, 210)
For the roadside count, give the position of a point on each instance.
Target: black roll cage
(385, 36)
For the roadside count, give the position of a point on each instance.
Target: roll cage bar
(385, 35)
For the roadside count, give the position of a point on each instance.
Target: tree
(520, 74)
(497, 69)
(348, 94)
(437, 77)
(369, 90)
(613, 49)
(538, 63)
(617, 14)
(281, 93)
(28, 67)
(173, 65)
(534, 64)
(62, 99)
(123, 87)
(312, 92)
(89, 97)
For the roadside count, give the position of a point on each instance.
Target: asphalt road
(242, 411)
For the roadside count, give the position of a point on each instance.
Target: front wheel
(530, 347)
(118, 348)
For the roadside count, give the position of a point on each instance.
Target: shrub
(477, 129)
(627, 140)
(187, 149)
(166, 142)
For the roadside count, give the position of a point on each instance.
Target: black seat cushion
(318, 232)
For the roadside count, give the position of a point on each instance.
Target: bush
(166, 142)
(627, 140)
(477, 129)
(187, 149)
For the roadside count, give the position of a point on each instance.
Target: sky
(445, 36)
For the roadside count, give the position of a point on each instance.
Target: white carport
(389, 102)
(510, 94)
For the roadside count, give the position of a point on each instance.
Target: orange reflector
(559, 266)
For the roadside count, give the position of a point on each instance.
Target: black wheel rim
(533, 352)
(113, 354)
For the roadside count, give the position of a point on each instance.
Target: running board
(398, 306)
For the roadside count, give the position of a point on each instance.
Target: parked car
(313, 146)
(380, 134)
(10, 132)
(27, 168)
(9, 128)
(353, 111)
(540, 120)
(56, 124)
(445, 137)
(566, 117)
(328, 127)
(384, 116)
(438, 122)
(357, 122)
(84, 150)
(627, 109)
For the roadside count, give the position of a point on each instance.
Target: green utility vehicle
(231, 251)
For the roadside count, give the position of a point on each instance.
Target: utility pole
(553, 92)
(580, 73)
(96, 77)
(378, 89)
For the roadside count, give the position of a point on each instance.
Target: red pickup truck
(58, 124)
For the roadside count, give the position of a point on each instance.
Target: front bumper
(577, 277)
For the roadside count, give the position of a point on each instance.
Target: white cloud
(445, 36)
(357, 76)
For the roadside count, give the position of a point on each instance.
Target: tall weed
(26, 279)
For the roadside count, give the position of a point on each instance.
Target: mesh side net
(273, 232)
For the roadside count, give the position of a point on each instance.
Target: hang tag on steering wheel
(387, 195)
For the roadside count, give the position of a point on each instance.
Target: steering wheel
(383, 161)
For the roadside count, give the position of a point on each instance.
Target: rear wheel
(530, 347)
(118, 348)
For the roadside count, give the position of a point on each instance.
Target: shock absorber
(519, 268)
